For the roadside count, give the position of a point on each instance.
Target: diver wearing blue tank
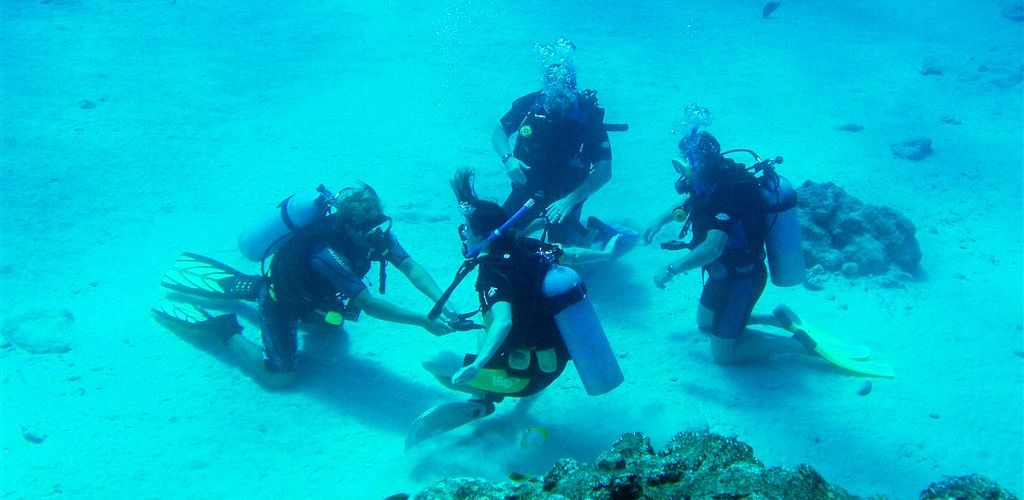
(528, 311)
(725, 206)
(320, 266)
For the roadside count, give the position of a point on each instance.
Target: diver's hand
(466, 374)
(450, 313)
(651, 232)
(515, 170)
(558, 210)
(437, 327)
(661, 279)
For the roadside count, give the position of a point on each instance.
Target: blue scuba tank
(581, 330)
(264, 236)
(782, 243)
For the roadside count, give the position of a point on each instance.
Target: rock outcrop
(841, 234)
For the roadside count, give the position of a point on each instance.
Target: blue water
(132, 131)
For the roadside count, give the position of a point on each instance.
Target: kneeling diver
(536, 318)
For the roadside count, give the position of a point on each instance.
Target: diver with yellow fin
(320, 246)
(536, 318)
(740, 217)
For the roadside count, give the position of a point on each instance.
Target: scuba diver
(738, 220)
(321, 246)
(553, 145)
(536, 317)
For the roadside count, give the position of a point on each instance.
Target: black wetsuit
(516, 276)
(314, 267)
(560, 152)
(738, 277)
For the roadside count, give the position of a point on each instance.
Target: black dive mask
(464, 238)
(684, 185)
(376, 233)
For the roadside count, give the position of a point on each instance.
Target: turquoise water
(134, 131)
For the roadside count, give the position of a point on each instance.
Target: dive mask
(684, 184)
(380, 229)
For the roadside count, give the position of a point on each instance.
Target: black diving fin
(191, 317)
(445, 417)
(201, 276)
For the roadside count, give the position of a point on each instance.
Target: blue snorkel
(472, 259)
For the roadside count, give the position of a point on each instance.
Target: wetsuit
(307, 272)
(533, 351)
(560, 152)
(736, 279)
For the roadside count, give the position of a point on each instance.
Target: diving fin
(195, 274)
(628, 238)
(851, 358)
(191, 317)
(445, 417)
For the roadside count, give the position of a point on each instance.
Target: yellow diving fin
(850, 358)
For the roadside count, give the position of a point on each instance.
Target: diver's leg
(273, 365)
(732, 299)
(444, 365)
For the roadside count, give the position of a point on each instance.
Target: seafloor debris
(915, 149)
(41, 331)
(850, 127)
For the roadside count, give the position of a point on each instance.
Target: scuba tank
(581, 330)
(782, 237)
(262, 238)
(782, 243)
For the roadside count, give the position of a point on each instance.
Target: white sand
(205, 115)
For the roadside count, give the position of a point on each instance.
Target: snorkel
(472, 255)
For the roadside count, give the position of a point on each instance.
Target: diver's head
(359, 211)
(480, 217)
(560, 94)
(702, 152)
(559, 76)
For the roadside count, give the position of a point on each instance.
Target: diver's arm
(662, 219)
(499, 140)
(384, 310)
(424, 282)
(600, 174)
(513, 167)
(420, 278)
(703, 254)
(498, 320)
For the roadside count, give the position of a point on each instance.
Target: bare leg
(751, 345)
(443, 366)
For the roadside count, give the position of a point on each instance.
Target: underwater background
(133, 131)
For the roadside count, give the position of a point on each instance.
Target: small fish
(850, 127)
(517, 476)
(524, 442)
(864, 389)
(769, 8)
(398, 496)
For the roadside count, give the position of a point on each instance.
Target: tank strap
(287, 219)
(563, 301)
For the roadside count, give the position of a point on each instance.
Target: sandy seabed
(132, 131)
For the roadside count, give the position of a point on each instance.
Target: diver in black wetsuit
(561, 156)
(321, 263)
(520, 351)
(727, 212)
